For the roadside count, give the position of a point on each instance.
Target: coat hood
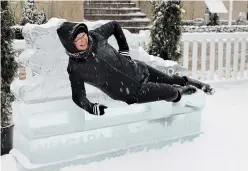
(66, 32)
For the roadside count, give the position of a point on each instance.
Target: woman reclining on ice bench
(92, 60)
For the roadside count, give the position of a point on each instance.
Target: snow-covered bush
(220, 28)
(30, 14)
(221, 22)
(8, 63)
(213, 19)
(241, 22)
(165, 30)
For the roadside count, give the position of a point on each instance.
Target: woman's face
(81, 41)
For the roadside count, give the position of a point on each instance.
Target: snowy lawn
(222, 147)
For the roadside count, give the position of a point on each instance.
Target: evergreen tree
(8, 63)
(166, 29)
(213, 19)
(30, 14)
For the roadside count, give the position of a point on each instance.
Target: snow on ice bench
(52, 132)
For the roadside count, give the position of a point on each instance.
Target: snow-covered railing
(221, 54)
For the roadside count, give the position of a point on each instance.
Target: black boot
(200, 85)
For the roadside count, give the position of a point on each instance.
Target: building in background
(196, 9)
(70, 10)
(74, 10)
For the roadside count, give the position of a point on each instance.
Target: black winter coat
(101, 65)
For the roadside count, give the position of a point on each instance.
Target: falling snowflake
(127, 91)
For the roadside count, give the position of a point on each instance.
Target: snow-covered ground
(222, 147)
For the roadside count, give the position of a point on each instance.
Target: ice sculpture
(52, 132)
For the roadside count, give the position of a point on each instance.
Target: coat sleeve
(79, 93)
(113, 28)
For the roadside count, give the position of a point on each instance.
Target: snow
(223, 146)
(127, 8)
(19, 44)
(136, 13)
(141, 19)
(8, 163)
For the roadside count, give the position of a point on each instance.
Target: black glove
(125, 54)
(208, 89)
(184, 90)
(98, 109)
(198, 84)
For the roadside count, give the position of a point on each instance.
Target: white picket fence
(227, 56)
(209, 56)
(213, 56)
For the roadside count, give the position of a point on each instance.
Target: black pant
(159, 87)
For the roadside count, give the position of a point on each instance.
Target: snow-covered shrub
(241, 22)
(30, 14)
(221, 22)
(213, 19)
(221, 28)
(165, 29)
(8, 63)
(189, 22)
